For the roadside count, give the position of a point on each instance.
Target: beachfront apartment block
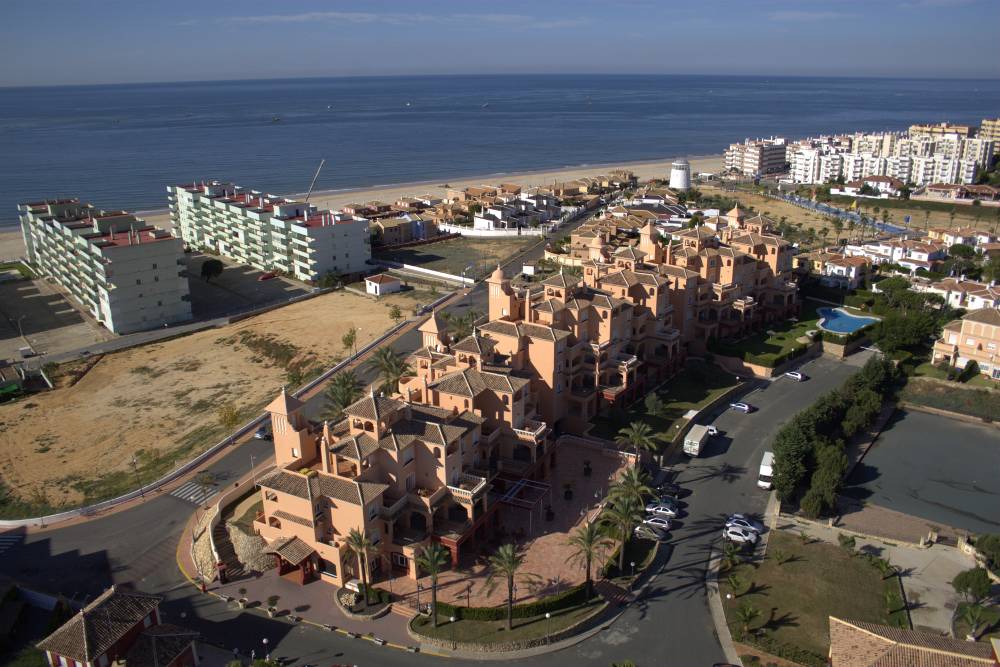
(975, 337)
(941, 130)
(128, 275)
(270, 233)
(989, 130)
(757, 157)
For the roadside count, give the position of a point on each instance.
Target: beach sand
(11, 245)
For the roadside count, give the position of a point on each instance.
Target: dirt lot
(453, 255)
(161, 402)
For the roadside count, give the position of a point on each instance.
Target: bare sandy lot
(161, 402)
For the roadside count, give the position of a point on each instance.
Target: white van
(766, 471)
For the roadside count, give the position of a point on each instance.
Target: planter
(243, 603)
(272, 611)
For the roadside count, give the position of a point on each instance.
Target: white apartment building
(270, 233)
(989, 130)
(127, 275)
(757, 157)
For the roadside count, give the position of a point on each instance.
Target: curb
(715, 607)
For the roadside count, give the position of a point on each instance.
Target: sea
(120, 146)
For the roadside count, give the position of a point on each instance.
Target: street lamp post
(135, 469)
(453, 644)
(420, 587)
(267, 654)
(253, 475)
(548, 627)
(633, 574)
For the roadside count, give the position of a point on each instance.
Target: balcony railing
(628, 361)
(533, 430)
(391, 507)
(467, 486)
(426, 497)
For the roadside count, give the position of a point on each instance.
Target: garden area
(782, 603)
(772, 347)
(953, 396)
(695, 386)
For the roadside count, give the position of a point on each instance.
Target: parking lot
(237, 289)
(938, 469)
(49, 322)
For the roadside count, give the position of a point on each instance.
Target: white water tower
(680, 175)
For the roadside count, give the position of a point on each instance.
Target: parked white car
(795, 375)
(740, 535)
(661, 509)
(743, 521)
(745, 408)
(657, 522)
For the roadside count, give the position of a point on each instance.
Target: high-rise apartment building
(270, 233)
(127, 275)
(989, 130)
(757, 157)
(941, 129)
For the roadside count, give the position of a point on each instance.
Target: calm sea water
(120, 146)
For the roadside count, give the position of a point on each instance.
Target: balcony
(627, 362)
(533, 430)
(489, 436)
(391, 507)
(467, 486)
(452, 531)
(427, 498)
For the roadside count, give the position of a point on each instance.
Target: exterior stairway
(227, 554)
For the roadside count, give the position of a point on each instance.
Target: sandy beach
(11, 245)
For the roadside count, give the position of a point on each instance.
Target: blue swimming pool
(840, 321)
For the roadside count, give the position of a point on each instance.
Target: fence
(441, 275)
(243, 430)
(495, 233)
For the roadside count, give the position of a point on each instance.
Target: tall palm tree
(746, 614)
(621, 518)
(433, 560)
(344, 389)
(505, 563)
(637, 435)
(391, 367)
(631, 485)
(359, 544)
(588, 543)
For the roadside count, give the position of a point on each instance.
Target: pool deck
(866, 319)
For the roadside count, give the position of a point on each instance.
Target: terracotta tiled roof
(284, 404)
(561, 279)
(984, 316)
(470, 382)
(858, 644)
(287, 516)
(374, 407)
(355, 447)
(382, 279)
(159, 645)
(319, 484)
(474, 344)
(630, 252)
(291, 549)
(100, 624)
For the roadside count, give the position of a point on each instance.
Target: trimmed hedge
(572, 597)
(769, 644)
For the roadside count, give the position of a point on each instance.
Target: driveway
(939, 469)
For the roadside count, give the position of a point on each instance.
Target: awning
(291, 549)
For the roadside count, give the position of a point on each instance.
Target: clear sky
(44, 42)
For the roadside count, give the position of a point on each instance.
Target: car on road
(743, 521)
(797, 376)
(267, 275)
(263, 433)
(657, 522)
(745, 408)
(648, 532)
(672, 489)
(713, 430)
(740, 535)
(661, 509)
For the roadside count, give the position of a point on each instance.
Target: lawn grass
(954, 397)
(796, 598)
(695, 386)
(454, 255)
(522, 629)
(764, 345)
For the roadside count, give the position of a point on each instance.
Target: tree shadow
(758, 589)
(776, 622)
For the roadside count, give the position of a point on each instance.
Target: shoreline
(11, 244)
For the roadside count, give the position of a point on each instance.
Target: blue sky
(45, 42)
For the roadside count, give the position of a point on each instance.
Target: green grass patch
(767, 348)
(20, 267)
(796, 598)
(695, 386)
(523, 629)
(637, 551)
(952, 396)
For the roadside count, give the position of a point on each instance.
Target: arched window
(466, 404)
(369, 427)
(506, 399)
(437, 452)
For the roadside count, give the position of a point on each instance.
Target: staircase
(612, 593)
(227, 554)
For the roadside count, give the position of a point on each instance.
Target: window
(411, 482)
(399, 560)
(138, 281)
(372, 513)
(437, 452)
(327, 567)
(295, 452)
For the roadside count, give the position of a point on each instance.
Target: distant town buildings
(270, 233)
(128, 275)
(975, 337)
(757, 157)
(941, 130)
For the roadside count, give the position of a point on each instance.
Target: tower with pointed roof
(649, 243)
(503, 301)
(289, 429)
(433, 333)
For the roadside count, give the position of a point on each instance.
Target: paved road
(940, 469)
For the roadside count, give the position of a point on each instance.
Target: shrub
(771, 645)
(974, 585)
(989, 547)
(572, 597)
(847, 542)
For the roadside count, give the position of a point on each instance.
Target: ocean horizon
(121, 145)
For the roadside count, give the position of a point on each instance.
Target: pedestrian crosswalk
(9, 541)
(194, 493)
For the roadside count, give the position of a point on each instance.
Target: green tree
(433, 560)
(505, 564)
(639, 436)
(991, 270)
(962, 250)
(621, 518)
(362, 548)
(395, 314)
(972, 584)
(631, 486)
(588, 544)
(211, 268)
(655, 406)
(344, 389)
(391, 368)
(350, 340)
(973, 616)
(746, 614)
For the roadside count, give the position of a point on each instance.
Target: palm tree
(638, 435)
(359, 544)
(344, 389)
(391, 367)
(505, 563)
(621, 517)
(746, 614)
(460, 326)
(631, 485)
(972, 615)
(433, 560)
(588, 543)
(730, 555)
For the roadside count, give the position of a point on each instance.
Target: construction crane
(313, 184)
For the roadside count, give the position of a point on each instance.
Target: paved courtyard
(49, 322)
(237, 289)
(942, 470)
